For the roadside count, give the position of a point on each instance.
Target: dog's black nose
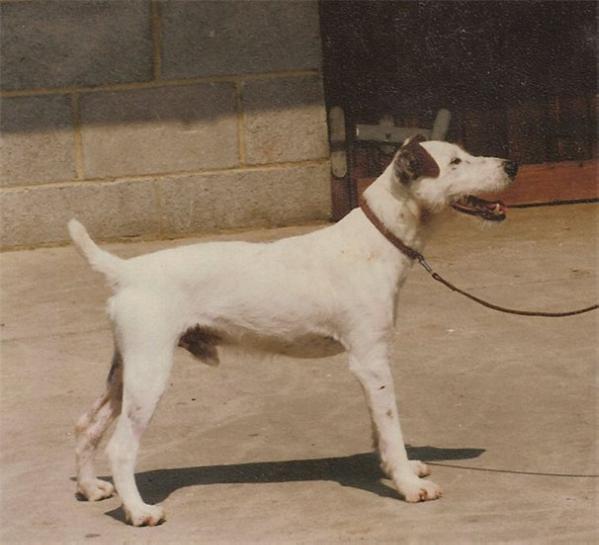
(511, 168)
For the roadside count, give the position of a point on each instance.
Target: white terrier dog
(308, 296)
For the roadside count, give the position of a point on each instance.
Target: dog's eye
(455, 161)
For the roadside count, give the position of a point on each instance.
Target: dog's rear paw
(146, 515)
(94, 490)
(421, 469)
(419, 490)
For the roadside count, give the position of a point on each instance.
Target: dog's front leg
(370, 364)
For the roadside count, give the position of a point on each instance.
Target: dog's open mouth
(475, 206)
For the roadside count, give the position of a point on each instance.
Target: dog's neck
(399, 212)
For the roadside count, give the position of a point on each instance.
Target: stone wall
(159, 118)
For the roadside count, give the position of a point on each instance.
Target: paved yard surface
(277, 451)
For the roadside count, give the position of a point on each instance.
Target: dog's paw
(145, 515)
(420, 468)
(418, 490)
(95, 490)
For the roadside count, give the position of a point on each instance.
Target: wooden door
(519, 78)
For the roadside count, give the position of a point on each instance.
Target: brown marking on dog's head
(412, 161)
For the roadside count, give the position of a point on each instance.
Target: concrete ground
(277, 451)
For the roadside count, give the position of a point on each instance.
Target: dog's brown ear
(412, 161)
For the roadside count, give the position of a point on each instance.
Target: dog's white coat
(312, 295)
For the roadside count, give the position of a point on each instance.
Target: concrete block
(268, 197)
(74, 42)
(36, 142)
(39, 215)
(164, 129)
(285, 120)
(238, 37)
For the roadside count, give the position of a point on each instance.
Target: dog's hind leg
(147, 344)
(89, 431)
(370, 364)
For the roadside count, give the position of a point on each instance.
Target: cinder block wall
(159, 118)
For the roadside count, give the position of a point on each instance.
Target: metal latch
(337, 140)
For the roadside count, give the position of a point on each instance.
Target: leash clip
(425, 264)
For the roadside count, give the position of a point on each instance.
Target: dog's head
(438, 174)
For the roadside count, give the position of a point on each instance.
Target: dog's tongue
(496, 207)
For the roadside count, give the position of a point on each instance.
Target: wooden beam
(554, 182)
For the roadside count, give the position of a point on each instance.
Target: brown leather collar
(382, 228)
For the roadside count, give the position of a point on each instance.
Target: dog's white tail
(100, 260)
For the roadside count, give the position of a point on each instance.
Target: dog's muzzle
(487, 210)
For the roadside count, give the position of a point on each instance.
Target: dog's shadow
(359, 471)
